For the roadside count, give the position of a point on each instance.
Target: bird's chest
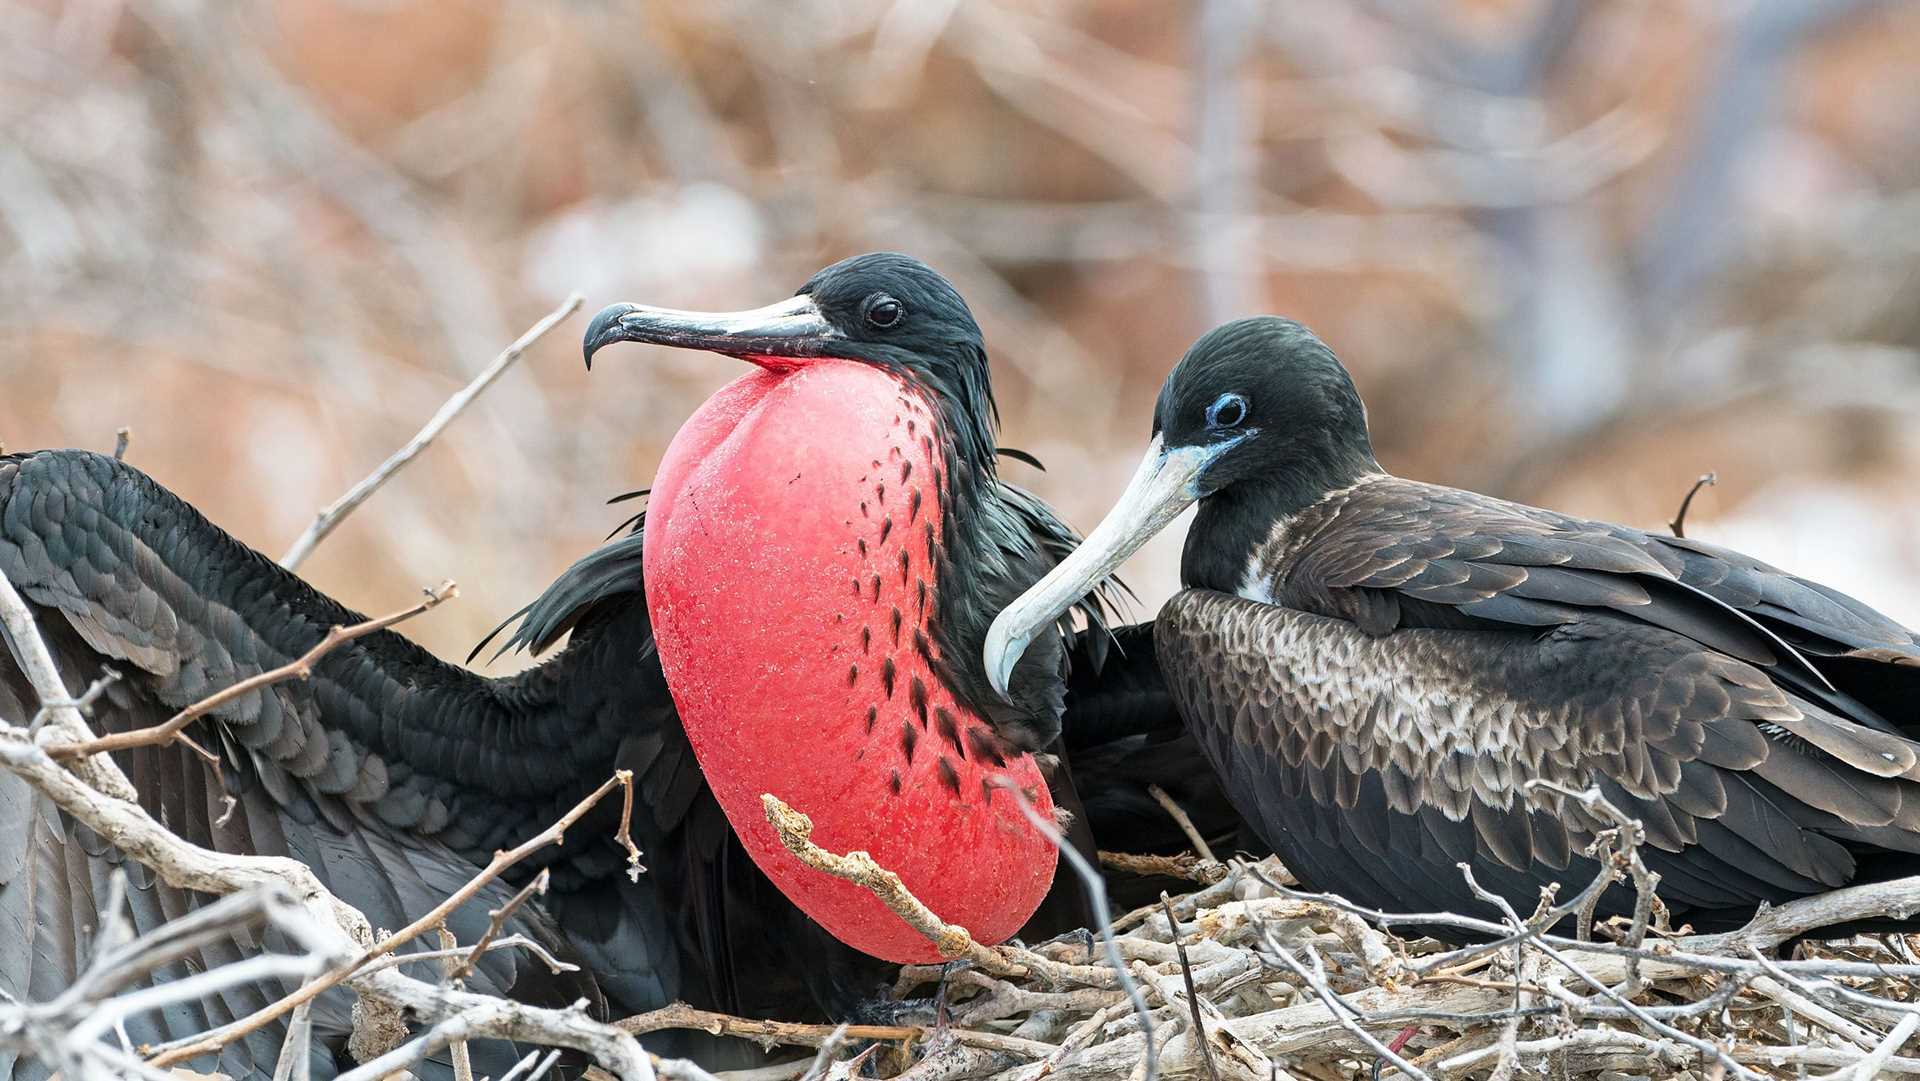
(1329, 706)
(790, 562)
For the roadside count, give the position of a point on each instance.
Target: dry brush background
(1576, 253)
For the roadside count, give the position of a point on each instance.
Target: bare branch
(497, 919)
(500, 863)
(1184, 821)
(335, 512)
(681, 1016)
(952, 940)
(1678, 527)
(301, 668)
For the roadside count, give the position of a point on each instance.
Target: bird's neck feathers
(988, 554)
(1235, 525)
(969, 565)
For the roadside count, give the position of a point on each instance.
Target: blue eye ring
(1227, 411)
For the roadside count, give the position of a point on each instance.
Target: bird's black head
(1263, 403)
(888, 306)
(896, 313)
(1256, 422)
(883, 308)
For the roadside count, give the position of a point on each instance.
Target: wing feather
(1441, 729)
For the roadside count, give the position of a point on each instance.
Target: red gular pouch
(790, 572)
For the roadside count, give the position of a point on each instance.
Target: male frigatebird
(1378, 667)
(827, 542)
(394, 775)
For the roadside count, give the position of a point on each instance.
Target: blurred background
(1575, 253)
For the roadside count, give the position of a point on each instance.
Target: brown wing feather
(1307, 715)
(1460, 555)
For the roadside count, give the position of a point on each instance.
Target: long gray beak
(792, 328)
(1163, 486)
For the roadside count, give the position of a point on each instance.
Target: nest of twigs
(1250, 979)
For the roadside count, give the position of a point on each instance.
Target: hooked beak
(1164, 485)
(792, 328)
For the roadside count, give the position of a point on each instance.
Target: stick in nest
(952, 940)
(682, 1016)
(1183, 820)
(554, 834)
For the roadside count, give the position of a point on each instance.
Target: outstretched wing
(389, 772)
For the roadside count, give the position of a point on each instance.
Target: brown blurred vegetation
(1576, 253)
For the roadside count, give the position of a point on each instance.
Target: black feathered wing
(389, 772)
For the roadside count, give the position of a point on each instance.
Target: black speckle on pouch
(949, 731)
(917, 695)
(985, 747)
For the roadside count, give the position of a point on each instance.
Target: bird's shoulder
(1445, 544)
(1393, 553)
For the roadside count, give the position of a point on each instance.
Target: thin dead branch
(952, 940)
(1184, 821)
(300, 668)
(795, 1034)
(497, 917)
(334, 513)
(501, 862)
(1678, 527)
(336, 936)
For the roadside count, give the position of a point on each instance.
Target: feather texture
(395, 775)
(1414, 655)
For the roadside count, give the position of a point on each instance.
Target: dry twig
(952, 940)
(1678, 527)
(172, 729)
(680, 1016)
(334, 513)
(335, 930)
(501, 862)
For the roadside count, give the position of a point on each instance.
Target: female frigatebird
(827, 541)
(1378, 667)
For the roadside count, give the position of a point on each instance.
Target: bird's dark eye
(1227, 411)
(885, 311)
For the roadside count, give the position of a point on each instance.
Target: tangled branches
(1248, 979)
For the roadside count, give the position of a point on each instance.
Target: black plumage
(391, 773)
(1379, 667)
(395, 775)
